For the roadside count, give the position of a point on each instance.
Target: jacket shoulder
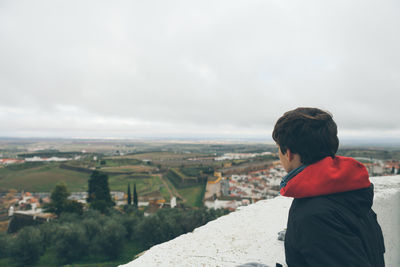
(324, 229)
(306, 208)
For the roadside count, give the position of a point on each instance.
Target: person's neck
(295, 162)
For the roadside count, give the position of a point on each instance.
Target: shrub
(4, 241)
(48, 231)
(92, 227)
(67, 217)
(130, 222)
(73, 206)
(111, 238)
(148, 231)
(71, 243)
(27, 247)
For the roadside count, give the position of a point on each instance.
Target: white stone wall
(250, 234)
(387, 207)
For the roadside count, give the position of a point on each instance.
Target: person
(330, 220)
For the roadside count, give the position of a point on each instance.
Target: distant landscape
(186, 175)
(130, 162)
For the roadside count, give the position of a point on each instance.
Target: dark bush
(67, 217)
(48, 231)
(111, 238)
(4, 245)
(73, 206)
(167, 224)
(27, 247)
(71, 243)
(130, 222)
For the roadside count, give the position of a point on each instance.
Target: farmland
(156, 168)
(42, 178)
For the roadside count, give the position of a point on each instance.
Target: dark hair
(309, 132)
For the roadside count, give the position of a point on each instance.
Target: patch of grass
(24, 166)
(42, 178)
(143, 185)
(129, 168)
(165, 193)
(120, 161)
(193, 195)
(178, 173)
(171, 186)
(194, 171)
(157, 156)
(163, 190)
(180, 180)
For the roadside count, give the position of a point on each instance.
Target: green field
(146, 185)
(173, 189)
(157, 156)
(128, 169)
(42, 178)
(119, 161)
(193, 195)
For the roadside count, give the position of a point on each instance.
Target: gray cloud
(203, 68)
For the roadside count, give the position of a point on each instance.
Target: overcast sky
(199, 69)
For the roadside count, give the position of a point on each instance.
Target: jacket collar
(327, 176)
(291, 174)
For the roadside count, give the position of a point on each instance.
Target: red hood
(328, 176)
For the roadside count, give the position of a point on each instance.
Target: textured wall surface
(387, 207)
(250, 234)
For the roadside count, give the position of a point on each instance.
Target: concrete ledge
(250, 234)
(387, 207)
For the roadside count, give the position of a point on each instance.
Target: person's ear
(289, 155)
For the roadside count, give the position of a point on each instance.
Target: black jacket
(336, 229)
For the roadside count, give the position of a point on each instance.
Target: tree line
(93, 234)
(101, 231)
